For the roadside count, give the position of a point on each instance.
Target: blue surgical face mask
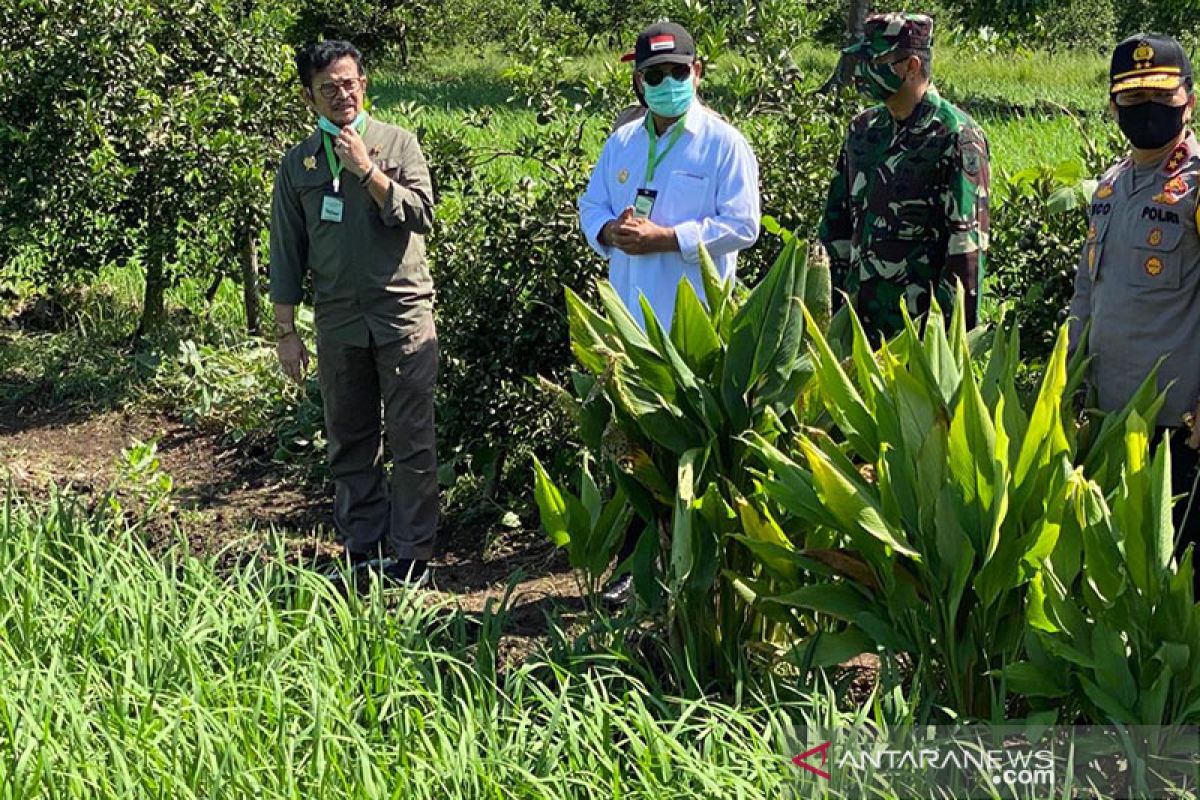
(333, 129)
(671, 98)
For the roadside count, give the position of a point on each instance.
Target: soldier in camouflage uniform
(907, 212)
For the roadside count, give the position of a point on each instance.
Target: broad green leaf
(552, 508)
(834, 599)
(790, 484)
(1044, 440)
(697, 403)
(716, 290)
(659, 420)
(843, 401)
(972, 441)
(684, 546)
(1115, 710)
(824, 649)
(1032, 680)
(609, 532)
(692, 332)
(1129, 506)
(593, 339)
(589, 493)
(943, 363)
(762, 528)
(854, 508)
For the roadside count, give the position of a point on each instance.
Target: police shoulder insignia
(622, 176)
(310, 163)
(1105, 191)
(1177, 158)
(1176, 185)
(1154, 265)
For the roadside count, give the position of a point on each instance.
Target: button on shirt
(1138, 282)
(707, 188)
(370, 279)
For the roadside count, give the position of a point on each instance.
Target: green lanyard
(335, 164)
(652, 160)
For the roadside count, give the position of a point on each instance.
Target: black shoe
(352, 563)
(410, 572)
(618, 593)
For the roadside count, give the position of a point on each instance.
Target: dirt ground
(229, 498)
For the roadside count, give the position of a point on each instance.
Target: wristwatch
(284, 331)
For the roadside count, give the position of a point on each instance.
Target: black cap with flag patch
(663, 43)
(1148, 61)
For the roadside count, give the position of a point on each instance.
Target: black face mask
(1149, 126)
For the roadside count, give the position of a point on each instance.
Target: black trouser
(370, 510)
(1186, 514)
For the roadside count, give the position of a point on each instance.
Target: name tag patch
(331, 208)
(643, 204)
(1160, 215)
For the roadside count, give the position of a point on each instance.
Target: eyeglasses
(332, 89)
(1164, 97)
(654, 76)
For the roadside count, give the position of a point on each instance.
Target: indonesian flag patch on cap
(663, 43)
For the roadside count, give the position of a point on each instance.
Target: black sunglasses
(654, 76)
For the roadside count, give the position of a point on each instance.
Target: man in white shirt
(668, 182)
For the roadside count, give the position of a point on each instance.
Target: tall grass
(126, 675)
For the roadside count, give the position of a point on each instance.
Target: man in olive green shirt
(351, 206)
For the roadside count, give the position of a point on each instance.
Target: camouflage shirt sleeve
(837, 226)
(967, 217)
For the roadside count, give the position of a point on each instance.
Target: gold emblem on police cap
(622, 176)
(1143, 53)
(310, 163)
(1155, 237)
(1154, 265)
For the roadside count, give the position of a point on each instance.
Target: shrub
(133, 128)
(930, 509)
(664, 411)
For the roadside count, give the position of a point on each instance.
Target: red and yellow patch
(1155, 237)
(1167, 198)
(1092, 260)
(1176, 160)
(1092, 232)
(1154, 265)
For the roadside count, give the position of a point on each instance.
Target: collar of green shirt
(922, 114)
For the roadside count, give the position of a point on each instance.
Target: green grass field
(1022, 99)
(155, 675)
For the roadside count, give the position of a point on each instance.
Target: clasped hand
(638, 236)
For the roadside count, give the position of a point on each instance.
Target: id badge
(331, 209)
(643, 204)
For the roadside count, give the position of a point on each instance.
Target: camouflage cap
(886, 33)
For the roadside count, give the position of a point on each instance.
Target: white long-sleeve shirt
(707, 188)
